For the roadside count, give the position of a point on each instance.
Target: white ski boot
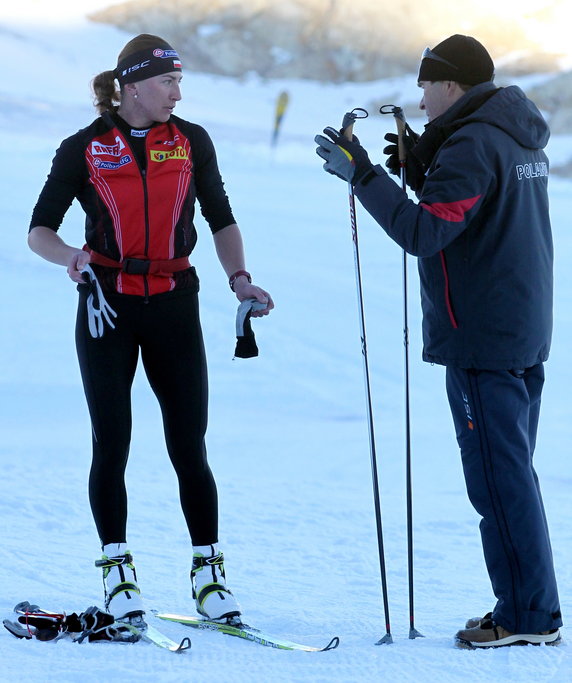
(122, 594)
(213, 599)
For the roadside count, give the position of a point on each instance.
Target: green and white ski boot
(122, 594)
(213, 599)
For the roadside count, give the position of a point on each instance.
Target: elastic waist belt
(136, 266)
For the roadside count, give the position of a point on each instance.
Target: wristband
(236, 275)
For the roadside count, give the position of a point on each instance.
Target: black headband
(147, 63)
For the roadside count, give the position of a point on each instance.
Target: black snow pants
(165, 329)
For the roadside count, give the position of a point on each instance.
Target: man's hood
(506, 108)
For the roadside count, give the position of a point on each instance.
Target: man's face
(438, 96)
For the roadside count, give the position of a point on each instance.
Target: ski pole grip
(349, 119)
(401, 125)
(400, 122)
(348, 125)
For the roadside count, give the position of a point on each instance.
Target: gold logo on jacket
(164, 155)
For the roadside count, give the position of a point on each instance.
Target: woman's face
(157, 97)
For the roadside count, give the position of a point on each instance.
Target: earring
(135, 96)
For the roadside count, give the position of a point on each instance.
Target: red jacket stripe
(453, 212)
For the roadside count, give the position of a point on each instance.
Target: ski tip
(185, 644)
(332, 645)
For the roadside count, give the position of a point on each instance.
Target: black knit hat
(459, 58)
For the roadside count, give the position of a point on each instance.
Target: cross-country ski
(234, 627)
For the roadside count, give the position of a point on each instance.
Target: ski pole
(347, 132)
(401, 151)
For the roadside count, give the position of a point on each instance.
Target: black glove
(94, 624)
(344, 158)
(43, 627)
(414, 168)
(245, 341)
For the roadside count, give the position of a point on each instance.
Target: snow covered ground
(287, 440)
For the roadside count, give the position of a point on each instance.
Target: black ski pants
(496, 419)
(165, 329)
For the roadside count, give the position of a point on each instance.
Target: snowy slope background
(287, 438)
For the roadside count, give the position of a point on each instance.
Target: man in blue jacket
(481, 230)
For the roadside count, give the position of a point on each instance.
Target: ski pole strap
(349, 119)
(135, 266)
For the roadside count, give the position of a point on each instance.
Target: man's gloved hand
(414, 168)
(344, 158)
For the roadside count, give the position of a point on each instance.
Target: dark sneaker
(489, 634)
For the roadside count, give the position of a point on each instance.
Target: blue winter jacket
(481, 230)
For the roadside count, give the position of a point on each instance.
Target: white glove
(98, 310)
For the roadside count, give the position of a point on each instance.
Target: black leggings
(166, 328)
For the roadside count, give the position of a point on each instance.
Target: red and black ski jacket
(481, 230)
(139, 206)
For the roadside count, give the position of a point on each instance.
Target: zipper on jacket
(146, 200)
(146, 203)
(447, 293)
(143, 174)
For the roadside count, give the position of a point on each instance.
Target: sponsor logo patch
(136, 67)
(468, 411)
(108, 150)
(112, 165)
(163, 155)
(164, 54)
